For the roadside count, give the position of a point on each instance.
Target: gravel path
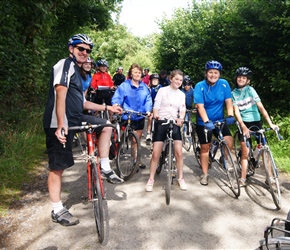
(203, 217)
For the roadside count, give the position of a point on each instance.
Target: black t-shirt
(118, 79)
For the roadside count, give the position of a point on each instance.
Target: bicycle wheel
(161, 161)
(186, 139)
(128, 156)
(196, 146)
(230, 169)
(169, 173)
(273, 183)
(238, 150)
(97, 200)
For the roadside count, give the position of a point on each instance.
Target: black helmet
(154, 76)
(186, 80)
(213, 65)
(147, 69)
(244, 71)
(102, 62)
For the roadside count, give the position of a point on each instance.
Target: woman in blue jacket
(134, 95)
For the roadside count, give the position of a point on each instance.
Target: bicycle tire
(160, 163)
(270, 164)
(238, 150)
(169, 172)
(196, 146)
(97, 200)
(186, 142)
(127, 160)
(231, 170)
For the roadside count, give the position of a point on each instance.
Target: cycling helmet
(102, 62)
(213, 65)
(154, 76)
(80, 38)
(244, 71)
(120, 67)
(187, 80)
(90, 60)
(147, 69)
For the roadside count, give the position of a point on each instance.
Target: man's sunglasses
(81, 49)
(187, 84)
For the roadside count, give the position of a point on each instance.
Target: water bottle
(256, 152)
(214, 147)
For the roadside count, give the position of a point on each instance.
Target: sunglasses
(81, 49)
(187, 84)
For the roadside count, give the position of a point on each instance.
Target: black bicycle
(254, 162)
(129, 149)
(220, 153)
(186, 130)
(167, 160)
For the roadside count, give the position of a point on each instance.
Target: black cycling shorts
(161, 130)
(201, 134)
(136, 125)
(253, 126)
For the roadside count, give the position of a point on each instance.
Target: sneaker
(242, 182)
(64, 218)
(182, 184)
(204, 179)
(112, 177)
(149, 185)
(142, 165)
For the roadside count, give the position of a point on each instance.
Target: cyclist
(210, 97)
(247, 105)
(133, 94)
(102, 78)
(86, 74)
(64, 108)
(163, 80)
(146, 77)
(119, 78)
(169, 103)
(154, 86)
(188, 91)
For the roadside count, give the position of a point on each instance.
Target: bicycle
(186, 130)
(166, 160)
(255, 162)
(96, 191)
(277, 235)
(129, 149)
(225, 161)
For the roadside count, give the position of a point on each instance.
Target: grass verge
(21, 153)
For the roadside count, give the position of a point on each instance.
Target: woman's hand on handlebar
(179, 122)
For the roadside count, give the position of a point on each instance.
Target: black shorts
(161, 130)
(136, 125)
(201, 134)
(253, 126)
(60, 158)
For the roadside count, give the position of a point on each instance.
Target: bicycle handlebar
(134, 112)
(91, 126)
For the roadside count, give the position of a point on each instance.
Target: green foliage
(23, 148)
(120, 48)
(252, 33)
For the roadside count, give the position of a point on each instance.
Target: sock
(105, 164)
(57, 206)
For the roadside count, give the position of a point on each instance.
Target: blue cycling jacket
(132, 98)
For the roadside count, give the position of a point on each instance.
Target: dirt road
(203, 217)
